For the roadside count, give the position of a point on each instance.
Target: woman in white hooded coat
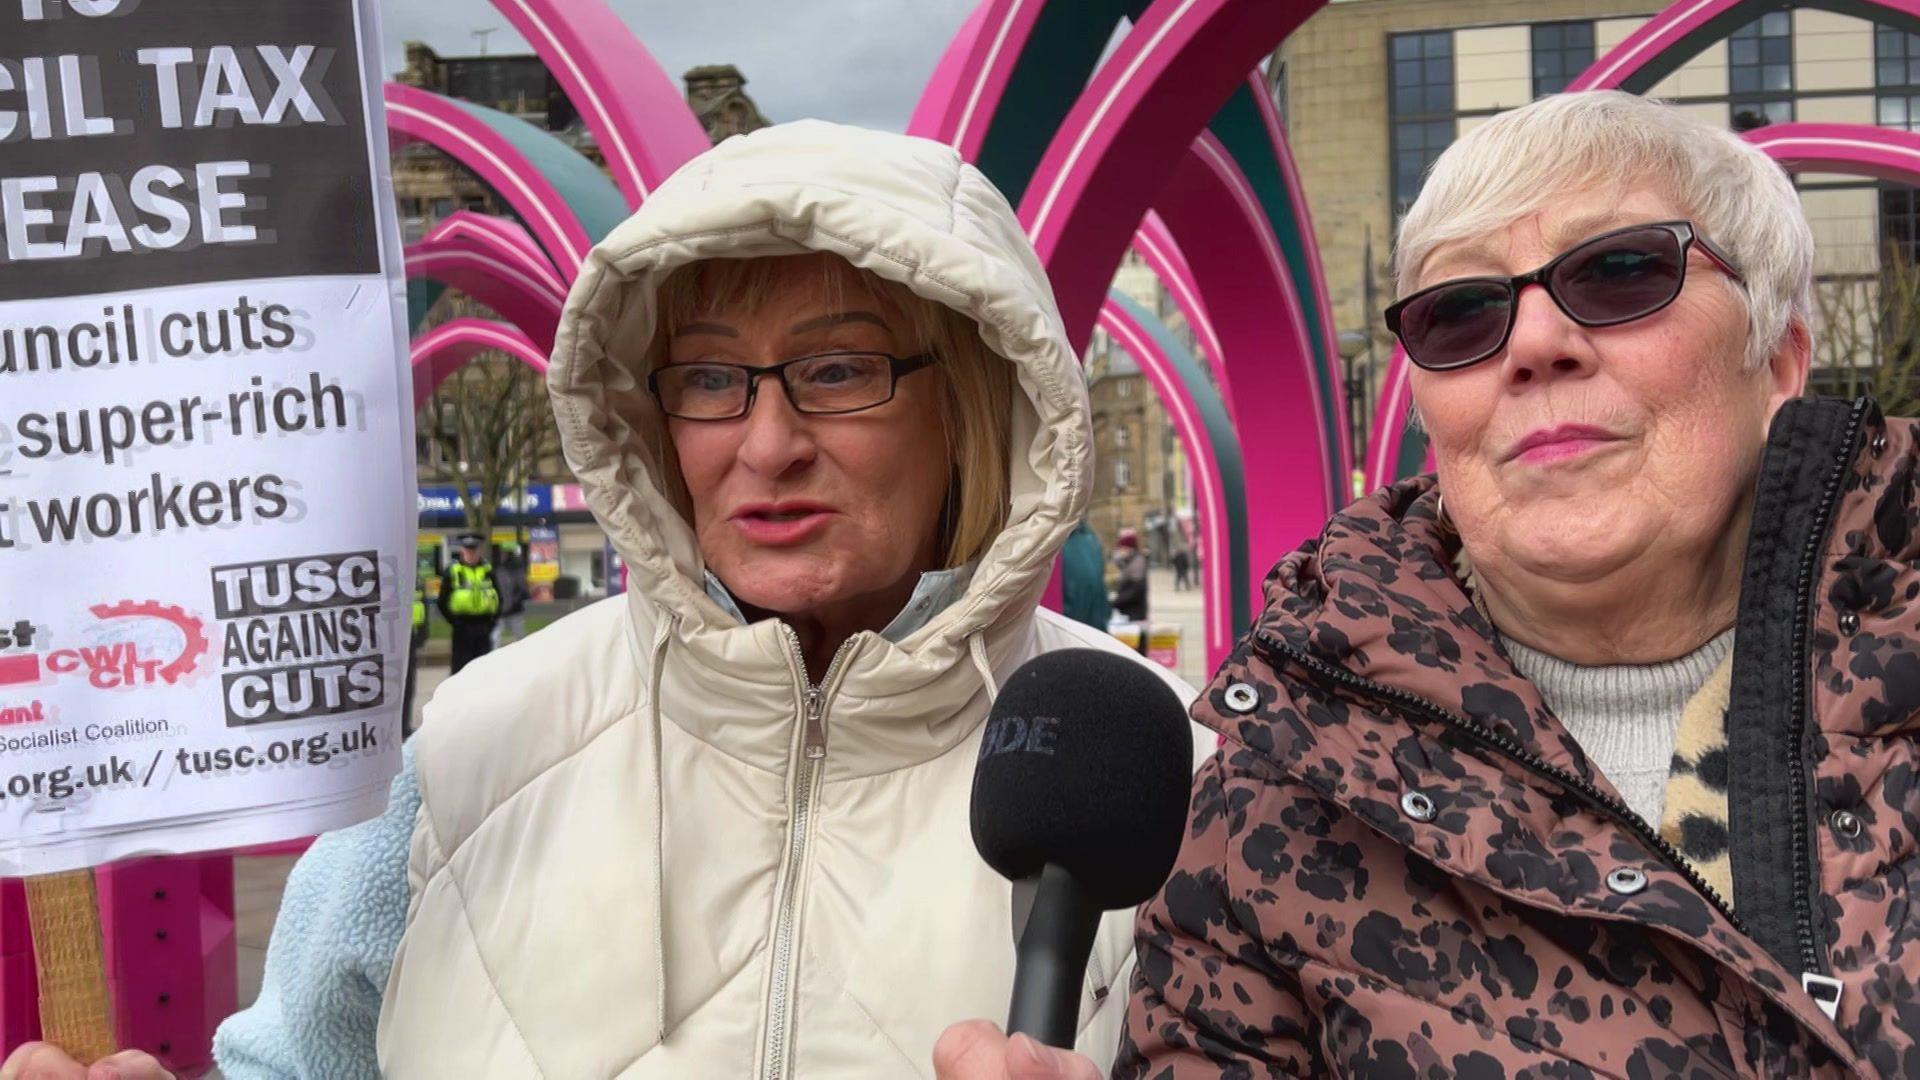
(718, 826)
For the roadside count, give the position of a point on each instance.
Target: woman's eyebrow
(1479, 253)
(837, 319)
(706, 328)
(1585, 227)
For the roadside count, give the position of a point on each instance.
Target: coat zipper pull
(1824, 991)
(816, 733)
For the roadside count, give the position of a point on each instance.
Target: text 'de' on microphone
(1080, 798)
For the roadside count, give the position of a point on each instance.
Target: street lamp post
(1359, 384)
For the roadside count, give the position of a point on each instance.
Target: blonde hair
(1525, 160)
(977, 383)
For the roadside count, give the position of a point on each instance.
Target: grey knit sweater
(1624, 717)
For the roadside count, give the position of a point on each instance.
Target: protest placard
(206, 446)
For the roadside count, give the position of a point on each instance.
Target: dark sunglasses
(825, 384)
(1606, 280)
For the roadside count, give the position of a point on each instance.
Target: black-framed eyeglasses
(824, 384)
(1605, 280)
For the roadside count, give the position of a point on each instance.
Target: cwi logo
(132, 644)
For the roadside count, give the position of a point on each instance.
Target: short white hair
(1522, 161)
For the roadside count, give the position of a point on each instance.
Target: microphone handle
(1051, 963)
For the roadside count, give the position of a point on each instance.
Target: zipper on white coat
(806, 784)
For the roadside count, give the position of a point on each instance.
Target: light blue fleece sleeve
(340, 921)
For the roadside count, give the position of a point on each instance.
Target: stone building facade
(718, 96)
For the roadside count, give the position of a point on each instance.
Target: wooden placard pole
(76, 1012)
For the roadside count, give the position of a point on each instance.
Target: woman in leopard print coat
(1412, 857)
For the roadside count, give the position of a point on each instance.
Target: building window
(1423, 73)
(1120, 438)
(1760, 71)
(1896, 57)
(1416, 146)
(1125, 389)
(1420, 108)
(1896, 65)
(1900, 224)
(1122, 475)
(1748, 115)
(1900, 111)
(1560, 51)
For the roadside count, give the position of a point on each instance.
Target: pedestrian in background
(511, 576)
(470, 600)
(1130, 590)
(1083, 579)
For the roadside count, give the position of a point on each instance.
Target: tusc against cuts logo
(300, 636)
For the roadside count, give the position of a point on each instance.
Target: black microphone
(1080, 798)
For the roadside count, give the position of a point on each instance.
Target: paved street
(1166, 604)
(258, 881)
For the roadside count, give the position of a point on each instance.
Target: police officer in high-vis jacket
(470, 599)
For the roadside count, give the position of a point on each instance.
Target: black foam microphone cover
(1080, 797)
(1085, 765)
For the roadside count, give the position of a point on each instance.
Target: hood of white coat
(908, 210)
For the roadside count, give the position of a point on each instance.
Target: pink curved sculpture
(1313, 291)
(433, 119)
(1667, 34)
(439, 352)
(1212, 511)
(635, 111)
(1163, 255)
(1853, 149)
(1658, 35)
(528, 304)
(1255, 310)
(1127, 132)
(500, 238)
(941, 111)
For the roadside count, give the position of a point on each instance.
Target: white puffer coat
(626, 861)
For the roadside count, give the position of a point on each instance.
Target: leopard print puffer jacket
(1401, 865)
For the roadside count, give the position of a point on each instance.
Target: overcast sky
(857, 61)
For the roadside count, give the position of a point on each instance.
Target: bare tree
(494, 411)
(1868, 340)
